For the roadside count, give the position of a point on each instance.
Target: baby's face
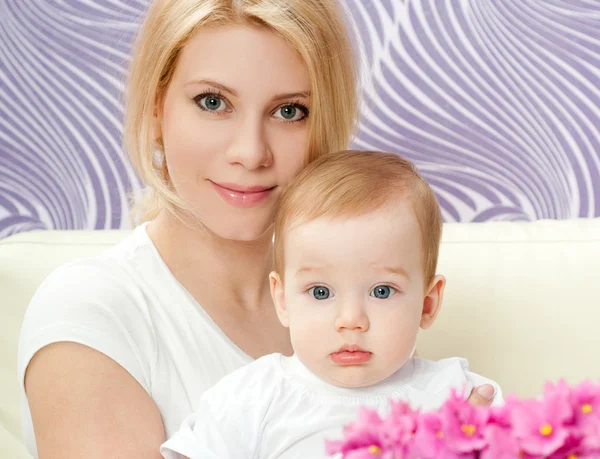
(353, 294)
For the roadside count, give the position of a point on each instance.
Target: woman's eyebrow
(293, 95)
(233, 92)
(220, 86)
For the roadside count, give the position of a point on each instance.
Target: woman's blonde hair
(352, 183)
(316, 29)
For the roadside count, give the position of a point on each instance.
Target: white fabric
(126, 304)
(276, 408)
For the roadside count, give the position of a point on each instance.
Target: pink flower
(371, 452)
(564, 423)
(585, 400)
(463, 424)
(501, 443)
(362, 436)
(429, 440)
(500, 415)
(575, 448)
(590, 433)
(539, 426)
(398, 429)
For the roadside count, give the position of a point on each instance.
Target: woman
(227, 101)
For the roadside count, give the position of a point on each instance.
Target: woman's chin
(251, 229)
(243, 233)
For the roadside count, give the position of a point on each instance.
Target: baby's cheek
(396, 332)
(307, 332)
(301, 327)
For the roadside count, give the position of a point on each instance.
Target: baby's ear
(278, 296)
(432, 302)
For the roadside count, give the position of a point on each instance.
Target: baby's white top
(276, 408)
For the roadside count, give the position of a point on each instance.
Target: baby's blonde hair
(316, 29)
(352, 183)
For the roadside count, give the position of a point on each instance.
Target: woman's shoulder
(97, 301)
(111, 275)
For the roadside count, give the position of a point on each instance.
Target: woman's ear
(278, 296)
(432, 302)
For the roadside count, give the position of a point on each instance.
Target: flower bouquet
(563, 423)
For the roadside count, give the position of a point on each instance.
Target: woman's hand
(482, 395)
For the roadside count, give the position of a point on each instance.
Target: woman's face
(234, 126)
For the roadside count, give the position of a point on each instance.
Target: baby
(356, 246)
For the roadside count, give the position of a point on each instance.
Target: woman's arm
(84, 404)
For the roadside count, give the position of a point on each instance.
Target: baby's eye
(319, 292)
(211, 103)
(383, 291)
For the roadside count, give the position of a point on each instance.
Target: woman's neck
(214, 269)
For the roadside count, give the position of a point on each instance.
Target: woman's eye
(211, 103)
(383, 291)
(319, 292)
(291, 113)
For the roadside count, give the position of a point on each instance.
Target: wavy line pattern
(62, 68)
(498, 102)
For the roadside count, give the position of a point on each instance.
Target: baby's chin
(365, 375)
(354, 377)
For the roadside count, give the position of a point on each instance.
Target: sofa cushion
(522, 301)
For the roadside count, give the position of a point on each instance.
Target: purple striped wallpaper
(497, 101)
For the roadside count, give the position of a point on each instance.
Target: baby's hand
(482, 395)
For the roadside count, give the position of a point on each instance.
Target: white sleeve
(201, 437)
(91, 302)
(226, 424)
(439, 377)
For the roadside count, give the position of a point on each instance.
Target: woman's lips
(350, 355)
(239, 196)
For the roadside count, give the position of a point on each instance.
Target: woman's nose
(352, 317)
(248, 146)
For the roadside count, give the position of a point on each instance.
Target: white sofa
(522, 302)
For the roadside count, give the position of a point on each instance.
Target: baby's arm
(202, 437)
(221, 428)
(228, 421)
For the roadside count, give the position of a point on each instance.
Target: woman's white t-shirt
(127, 304)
